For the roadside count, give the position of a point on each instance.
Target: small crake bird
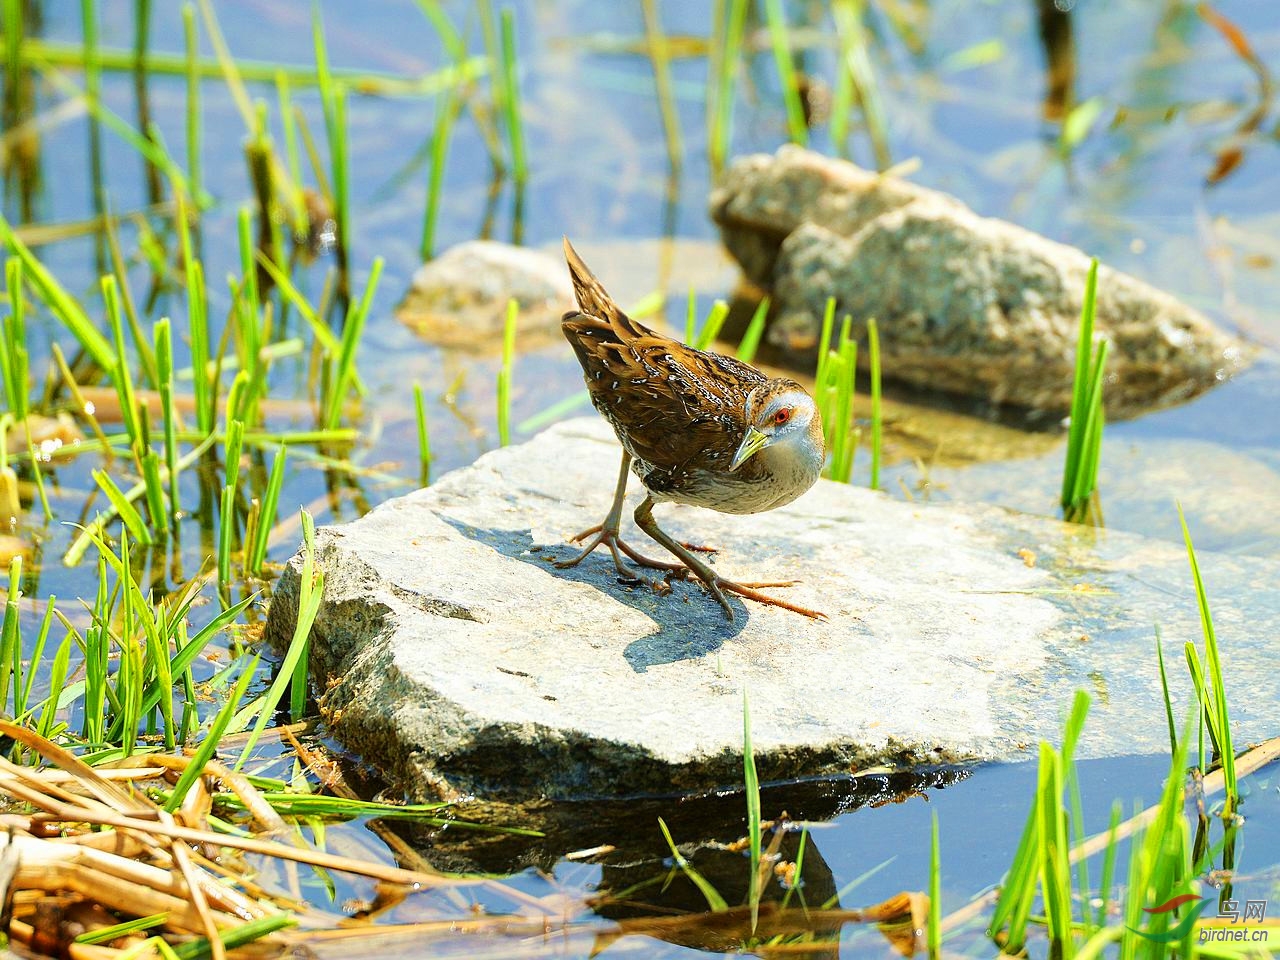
(695, 427)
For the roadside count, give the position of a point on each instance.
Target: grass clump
(833, 392)
(780, 40)
(1209, 682)
(1084, 439)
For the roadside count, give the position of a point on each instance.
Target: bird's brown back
(675, 409)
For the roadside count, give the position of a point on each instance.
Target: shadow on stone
(680, 635)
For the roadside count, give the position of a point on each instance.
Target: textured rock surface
(460, 297)
(967, 304)
(448, 646)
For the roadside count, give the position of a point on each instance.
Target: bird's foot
(617, 546)
(717, 586)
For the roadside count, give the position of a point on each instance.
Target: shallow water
(962, 87)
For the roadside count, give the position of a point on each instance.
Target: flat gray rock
(459, 299)
(453, 655)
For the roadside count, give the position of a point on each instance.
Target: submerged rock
(460, 298)
(966, 304)
(452, 654)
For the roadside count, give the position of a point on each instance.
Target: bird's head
(782, 423)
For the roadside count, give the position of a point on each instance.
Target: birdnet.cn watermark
(1234, 923)
(1252, 911)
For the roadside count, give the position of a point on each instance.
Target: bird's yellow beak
(752, 443)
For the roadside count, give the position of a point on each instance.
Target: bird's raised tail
(594, 300)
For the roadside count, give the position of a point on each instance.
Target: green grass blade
(424, 438)
(1055, 868)
(267, 515)
(1214, 696)
(10, 642)
(857, 76)
(797, 876)
(121, 373)
(448, 106)
(234, 937)
(163, 337)
(711, 329)
(710, 894)
(751, 782)
(60, 303)
(107, 934)
(123, 506)
(1164, 688)
(191, 51)
(1109, 859)
(844, 430)
(780, 40)
(352, 330)
(558, 410)
(310, 593)
(1017, 893)
(1091, 443)
(660, 57)
(57, 679)
(318, 327)
(754, 333)
(209, 745)
(727, 63)
(181, 662)
(14, 365)
(877, 413)
(37, 651)
(505, 372)
(1079, 392)
(511, 97)
(824, 352)
(197, 327)
(150, 150)
(934, 929)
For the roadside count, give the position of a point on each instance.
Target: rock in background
(459, 299)
(965, 304)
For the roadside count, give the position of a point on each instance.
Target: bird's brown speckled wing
(674, 408)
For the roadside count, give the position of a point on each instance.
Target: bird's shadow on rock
(690, 623)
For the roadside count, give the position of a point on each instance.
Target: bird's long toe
(749, 591)
(602, 537)
(718, 586)
(618, 547)
(579, 537)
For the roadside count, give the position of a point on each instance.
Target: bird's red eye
(782, 416)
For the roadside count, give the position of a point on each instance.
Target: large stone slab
(453, 655)
(970, 305)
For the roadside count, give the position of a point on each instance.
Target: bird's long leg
(607, 534)
(714, 582)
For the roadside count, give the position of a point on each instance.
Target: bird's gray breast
(741, 492)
